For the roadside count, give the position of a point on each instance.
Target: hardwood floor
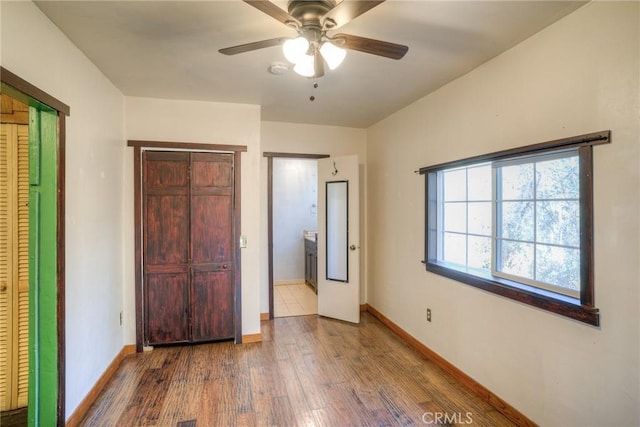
(14, 418)
(307, 371)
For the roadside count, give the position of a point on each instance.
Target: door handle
(352, 247)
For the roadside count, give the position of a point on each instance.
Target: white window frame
(441, 215)
(496, 245)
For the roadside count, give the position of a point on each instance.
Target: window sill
(545, 300)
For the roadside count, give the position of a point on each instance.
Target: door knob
(352, 247)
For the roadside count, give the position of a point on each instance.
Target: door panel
(211, 222)
(339, 299)
(212, 317)
(22, 376)
(212, 208)
(14, 268)
(166, 247)
(170, 170)
(167, 307)
(166, 208)
(167, 219)
(212, 170)
(7, 136)
(212, 246)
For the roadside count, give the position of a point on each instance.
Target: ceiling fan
(313, 47)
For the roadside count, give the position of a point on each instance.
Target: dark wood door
(212, 246)
(188, 247)
(166, 247)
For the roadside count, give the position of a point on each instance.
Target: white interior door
(339, 238)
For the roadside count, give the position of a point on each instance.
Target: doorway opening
(292, 230)
(46, 249)
(295, 224)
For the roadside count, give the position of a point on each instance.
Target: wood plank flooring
(14, 418)
(307, 371)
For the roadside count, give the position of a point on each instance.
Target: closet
(14, 255)
(188, 246)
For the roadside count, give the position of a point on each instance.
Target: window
(518, 223)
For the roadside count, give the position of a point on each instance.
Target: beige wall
(201, 122)
(577, 76)
(34, 49)
(310, 139)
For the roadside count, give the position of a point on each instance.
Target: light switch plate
(243, 241)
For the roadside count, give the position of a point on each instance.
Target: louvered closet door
(14, 266)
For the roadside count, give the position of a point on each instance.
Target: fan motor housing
(310, 10)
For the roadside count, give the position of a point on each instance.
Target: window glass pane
(455, 217)
(479, 183)
(515, 220)
(558, 266)
(455, 248)
(558, 222)
(558, 178)
(516, 182)
(480, 252)
(455, 185)
(516, 258)
(480, 218)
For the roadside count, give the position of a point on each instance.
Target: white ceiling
(169, 49)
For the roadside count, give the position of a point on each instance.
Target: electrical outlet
(428, 315)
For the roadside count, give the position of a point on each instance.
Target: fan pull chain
(312, 97)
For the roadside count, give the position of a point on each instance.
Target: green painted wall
(43, 340)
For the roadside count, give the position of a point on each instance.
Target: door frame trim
(236, 150)
(24, 91)
(270, 155)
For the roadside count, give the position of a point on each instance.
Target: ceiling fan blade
(318, 64)
(347, 11)
(253, 46)
(273, 11)
(374, 47)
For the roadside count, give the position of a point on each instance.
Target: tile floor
(294, 300)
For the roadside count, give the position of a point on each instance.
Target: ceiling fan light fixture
(305, 67)
(295, 49)
(332, 54)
